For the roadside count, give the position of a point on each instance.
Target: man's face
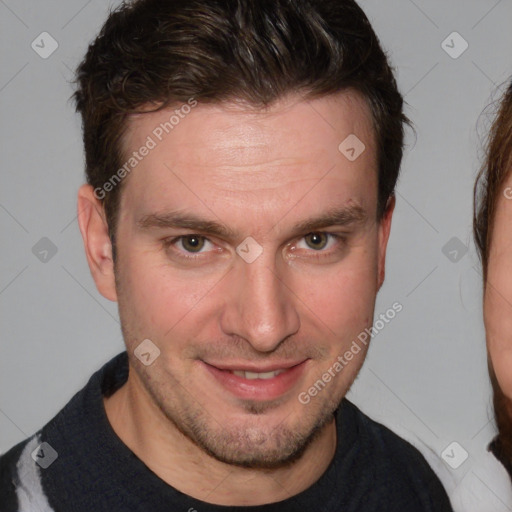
(222, 308)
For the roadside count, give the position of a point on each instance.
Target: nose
(259, 306)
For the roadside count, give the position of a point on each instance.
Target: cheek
(498, 297)
(498, 302)
(157, 298)
(344, 299)
(498, 327)
(503, 369)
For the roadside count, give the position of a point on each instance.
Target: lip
(257, 389)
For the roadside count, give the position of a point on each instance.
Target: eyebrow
(344, 216)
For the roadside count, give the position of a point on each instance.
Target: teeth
(254, 375)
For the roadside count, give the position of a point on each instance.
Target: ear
(98, 248)
(384, 230)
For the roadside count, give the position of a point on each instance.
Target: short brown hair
(488, 188)
(157, 52)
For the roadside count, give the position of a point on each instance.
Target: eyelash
(340, 239)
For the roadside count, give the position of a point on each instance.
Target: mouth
(257, 383)
(256, 375)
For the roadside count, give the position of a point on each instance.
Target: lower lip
(258, 389)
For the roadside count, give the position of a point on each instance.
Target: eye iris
(193, 243)
(316, 241)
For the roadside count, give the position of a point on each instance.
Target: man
(241, 158)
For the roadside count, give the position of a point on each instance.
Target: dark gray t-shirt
(77, 463)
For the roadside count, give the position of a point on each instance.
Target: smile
(252, 383)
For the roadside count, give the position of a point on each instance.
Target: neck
(179, 462)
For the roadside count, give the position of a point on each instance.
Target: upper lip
(248, 367)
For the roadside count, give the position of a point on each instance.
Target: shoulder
(388, 449)
(8, 477)
(26, 478)
(380, 440)
(392, 462)
(20, 477)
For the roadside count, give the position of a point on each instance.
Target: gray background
(426, 373)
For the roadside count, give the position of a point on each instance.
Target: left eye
(317, 241)
(192, 243)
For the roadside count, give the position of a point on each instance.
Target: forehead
(234, 130)
(232, 153)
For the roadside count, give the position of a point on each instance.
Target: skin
(260, 174)
(498, 292)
